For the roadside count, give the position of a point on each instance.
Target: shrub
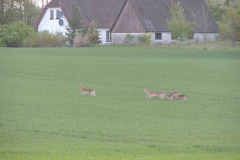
(31, 41)
(43, 39)
(11, 35)
(141, 39)
(129, 37)
(147, 38)
(80, 40)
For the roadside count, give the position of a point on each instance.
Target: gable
(104, 12)
(127, 21)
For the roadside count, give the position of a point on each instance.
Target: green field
(42, 115)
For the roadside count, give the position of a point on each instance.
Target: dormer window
(51, 14)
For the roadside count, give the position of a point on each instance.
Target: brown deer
(172, 96)
(180, 96)
(183, 97)
(154, 94)
(87, 91)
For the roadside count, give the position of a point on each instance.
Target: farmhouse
(104, 12)
(116, 18)
(138, 16)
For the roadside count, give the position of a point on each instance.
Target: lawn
(42, 115)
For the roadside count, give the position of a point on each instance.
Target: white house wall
(119, 38)
(166, 38)
(102, 36)
(52, 26)
(209, 36)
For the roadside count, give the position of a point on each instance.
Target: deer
(87, 91)
(172, 96)
(180, 96)
(154, 94)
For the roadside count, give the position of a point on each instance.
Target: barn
(138, 16)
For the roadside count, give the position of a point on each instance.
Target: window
(58, 14)
(108, 36)
(158, 36)
(51, 14)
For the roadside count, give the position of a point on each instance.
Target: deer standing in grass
(172, 96)
(154, 94)
(180, 96)
(87, 91)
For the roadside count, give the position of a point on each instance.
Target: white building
(103, 12)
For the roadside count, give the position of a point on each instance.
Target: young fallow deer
(172, 96)
(154, 94)
(183, 97)
(87, 91)
(180, 96)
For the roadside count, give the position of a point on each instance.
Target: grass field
(42, 115)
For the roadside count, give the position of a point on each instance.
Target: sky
(39, 2)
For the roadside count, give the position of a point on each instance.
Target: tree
(93, 33)
(229, 27)
(75, 24)
(232, 3)
(179, 27)
(11, 35)
(12, 11)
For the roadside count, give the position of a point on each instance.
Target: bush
(31, 41)
(80, 40)
(11, 35)
(43, 39)
(141, 39)
(129, 37)
(147, 37)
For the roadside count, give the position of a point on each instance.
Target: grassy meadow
(42, 115)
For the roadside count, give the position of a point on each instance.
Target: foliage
(81, 40)
(177, 25)
(75, 24)
(31, 41)
(93, 33)
(43, 39)
(43, 117)
(217, 12)
(12, 11)
(129, 37)
(147, 38)
(141, 39)
(229, 27)
(232, 3)
(11, 35)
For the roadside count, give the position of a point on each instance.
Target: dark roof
(104, 12)
(154, 13)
